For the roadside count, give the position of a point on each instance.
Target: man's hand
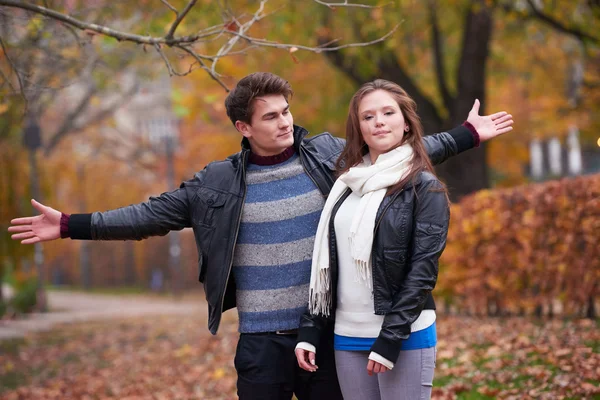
(373, 367)
(40, 228)
(489, 126)
(306, 360)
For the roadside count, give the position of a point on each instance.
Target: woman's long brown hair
(356, 147)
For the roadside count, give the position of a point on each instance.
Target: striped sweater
(273, 254)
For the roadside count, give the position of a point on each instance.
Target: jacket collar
(299, 134)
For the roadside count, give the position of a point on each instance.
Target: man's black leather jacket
(211, 204)
(411, 227)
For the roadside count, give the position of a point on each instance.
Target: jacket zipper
(372, 252)
(385, 210)
(237, 231)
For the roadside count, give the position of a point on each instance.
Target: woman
(375, 260)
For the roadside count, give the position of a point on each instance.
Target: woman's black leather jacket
(410, 234)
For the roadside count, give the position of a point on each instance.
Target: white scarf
(371, 182)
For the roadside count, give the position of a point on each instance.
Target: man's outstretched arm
(156, 217)
(476, 129)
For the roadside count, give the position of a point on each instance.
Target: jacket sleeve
(311, 328)
(155, 217)
(430, 229)
(442, 146)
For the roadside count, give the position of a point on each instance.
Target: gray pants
(411, 378)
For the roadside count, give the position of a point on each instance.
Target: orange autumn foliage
(532, 246)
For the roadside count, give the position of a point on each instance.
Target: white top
(354, 314)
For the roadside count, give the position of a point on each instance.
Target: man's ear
(243, 128)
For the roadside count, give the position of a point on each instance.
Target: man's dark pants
(267, 369)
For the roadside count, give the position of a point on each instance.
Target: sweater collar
(271, 160)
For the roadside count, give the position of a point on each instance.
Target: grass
(11, 346)
(443, 381)
(520, 367)
(117, 290)
(12, 379)
(594, 344)
(473, 395)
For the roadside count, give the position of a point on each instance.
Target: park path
(70, 307)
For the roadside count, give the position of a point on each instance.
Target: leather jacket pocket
(394, 261)
(428, 236)
(209, 202)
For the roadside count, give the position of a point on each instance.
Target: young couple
(276, 232)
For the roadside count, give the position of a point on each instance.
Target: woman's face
(381, 123)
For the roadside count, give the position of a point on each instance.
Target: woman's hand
(306, 360)
(375, 367)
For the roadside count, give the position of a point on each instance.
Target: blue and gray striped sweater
(273, 254)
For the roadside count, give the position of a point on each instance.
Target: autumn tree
(51, 84)
(442, 54)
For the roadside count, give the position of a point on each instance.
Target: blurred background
(89, 123)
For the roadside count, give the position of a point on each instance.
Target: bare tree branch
(109, 110)
(69, 126)
(346, 4)
(180, 18)
(12, 65)
(438, 55)
(318, 49)
(203, 65)
(112, 145)
(121, 36)
(110, 148)
(126, 36)
(242, 29)
(166, 3)
(166, 60)
(19, 79)
(69, 121)
(73, 32)
(172, 70)
(232, 33)
(7, 80)
(559, 26)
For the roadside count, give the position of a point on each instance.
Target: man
(254, 217)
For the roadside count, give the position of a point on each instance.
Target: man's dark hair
(240, 101)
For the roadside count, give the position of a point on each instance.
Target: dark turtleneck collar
(271, 160)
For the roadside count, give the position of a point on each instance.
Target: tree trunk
(591, 308)
(468, 172)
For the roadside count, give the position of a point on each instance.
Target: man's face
(271, 130)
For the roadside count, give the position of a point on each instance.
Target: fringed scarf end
(320, 303)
